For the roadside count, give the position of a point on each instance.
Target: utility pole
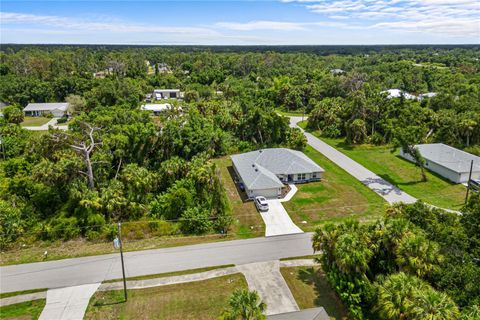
(120, 244)
(468, 182)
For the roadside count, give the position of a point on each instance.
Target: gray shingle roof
(46, 106)
(449, 157)
(306, 314)
(258, 169)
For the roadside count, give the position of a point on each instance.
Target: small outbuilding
(159, 94)
(57, 109)
(451, 163)
(265, 172)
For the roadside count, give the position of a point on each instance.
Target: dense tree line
(416, 263)
(118, 163)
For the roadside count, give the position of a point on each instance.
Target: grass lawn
(311, 289)
(248, 222)
(336, 197)
(17, 293)
(194, 300)
(174, 273)
(404, 174)
(34, 121)
(29, 310)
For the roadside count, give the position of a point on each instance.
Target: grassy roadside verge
(30, 310)
(174, 273)
(193, 300)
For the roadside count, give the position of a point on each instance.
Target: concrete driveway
(277, 221)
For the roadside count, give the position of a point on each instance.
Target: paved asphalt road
(78, 271)
(383, 188)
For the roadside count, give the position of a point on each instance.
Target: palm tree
(245, 305)
(430, 304)
(417, 255)
(395, 295)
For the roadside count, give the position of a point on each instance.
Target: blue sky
(279, 22)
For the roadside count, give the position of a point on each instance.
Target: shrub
(195, 220)
(62, 120)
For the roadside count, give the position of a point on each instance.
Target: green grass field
(194, 300)
(311, 289)
(29, 310)
(404, 174)
(336, 197)
(34, 121)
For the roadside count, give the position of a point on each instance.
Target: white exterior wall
(455, 177)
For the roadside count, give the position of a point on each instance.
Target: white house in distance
(264, 172)
(451, 163)
(159, 94)
(156, 108)
(57, 109)
(397, 93)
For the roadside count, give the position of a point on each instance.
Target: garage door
(267, 193)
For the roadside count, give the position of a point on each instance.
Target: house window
(314, 175)
(301, 176)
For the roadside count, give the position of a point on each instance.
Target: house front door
(290, 178)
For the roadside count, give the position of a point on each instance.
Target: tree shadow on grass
(325, 295)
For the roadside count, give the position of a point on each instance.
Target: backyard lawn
(311, 289)
(29, 310)
(34, 121)
(336, 197)
(248, 222)
(194, 300)
(404, 174)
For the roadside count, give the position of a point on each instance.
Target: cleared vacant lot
(194, 300)
(337, 197)
(310, 289)
(34, 121)
(29, 310)
(403, 174)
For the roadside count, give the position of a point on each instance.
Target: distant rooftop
(156, 107)
(449, 157)
(46, 106)
(166, 90)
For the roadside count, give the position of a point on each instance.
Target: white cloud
(260, 25)
(443, 17)
(95, 26)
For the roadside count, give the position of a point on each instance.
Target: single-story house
(156, 108)
(264, 172)
(397, 93)
(159, 94)
(451, 163)
(57, 109)
(305, 314)
(337, 71)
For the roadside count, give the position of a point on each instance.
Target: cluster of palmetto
(386, 270)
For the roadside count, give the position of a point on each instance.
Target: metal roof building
(264, 172)
(451, 163)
